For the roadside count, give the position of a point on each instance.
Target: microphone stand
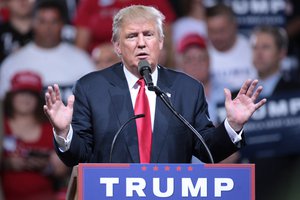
(119, 131)
(166, 101)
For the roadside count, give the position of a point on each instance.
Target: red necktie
(144, 128)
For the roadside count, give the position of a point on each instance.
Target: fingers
(57, 92)
(48, 100)
(51, 97)
(71, 100)
(260, 103)
(244, 87)
(251, 88)
(52, 94)
(248, 87)
(227, 95)
(45, 107)
(257, 93)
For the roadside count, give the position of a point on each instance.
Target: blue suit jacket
(103, 104)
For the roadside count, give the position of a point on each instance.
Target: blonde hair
(137, 12)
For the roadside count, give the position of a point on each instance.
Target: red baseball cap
(26, 80)
(192, 39)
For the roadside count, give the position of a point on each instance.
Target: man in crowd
(194, 60)
(17, 31)
(106, 99)
(230, 52)
(55, 61)
(276, 174)
(104, 55)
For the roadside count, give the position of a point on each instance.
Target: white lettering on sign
(135, 184)
(278, 109)
(272, 109)
(189, 188)
(109, 182)
(242, 7)
(223, 184)
(169, 191)
(294, 106)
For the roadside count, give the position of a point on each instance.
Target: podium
(72, 187)
(161, 181)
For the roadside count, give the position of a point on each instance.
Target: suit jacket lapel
(121, 100)
(162, 116)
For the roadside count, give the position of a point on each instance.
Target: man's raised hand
(59, 115)
(240, 109)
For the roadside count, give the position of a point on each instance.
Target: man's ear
(117, 48)
(161, 43)
(283, 53)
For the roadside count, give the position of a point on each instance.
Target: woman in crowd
(30, 165)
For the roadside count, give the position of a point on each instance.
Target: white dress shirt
(134, 90)
(64, 143)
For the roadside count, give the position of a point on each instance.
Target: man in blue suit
(104, 100)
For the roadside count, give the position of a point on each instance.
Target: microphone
(119, 131)
(162, 95)
(145, 71)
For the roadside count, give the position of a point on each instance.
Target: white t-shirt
(232, 68)
(63, 64)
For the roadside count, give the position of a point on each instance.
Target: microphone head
(143, 65)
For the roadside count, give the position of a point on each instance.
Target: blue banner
(158, 181)
(252, 13)
(273, 130)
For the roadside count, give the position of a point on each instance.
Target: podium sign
(160, 181)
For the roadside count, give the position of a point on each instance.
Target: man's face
(266, 55)
(20, 8)
(195, 62)
(47, 27)
(138, 40)
(221, 32)
(104, 56)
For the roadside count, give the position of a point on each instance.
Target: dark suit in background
(277, 177)
(1, 142)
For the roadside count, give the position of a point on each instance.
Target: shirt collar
(269, 84)
(132, 79)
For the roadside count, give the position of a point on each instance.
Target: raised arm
(58, 114)
(240, 109)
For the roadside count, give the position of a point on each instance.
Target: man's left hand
(240, 109)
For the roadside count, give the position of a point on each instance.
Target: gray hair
(279, 35)
(137, 12)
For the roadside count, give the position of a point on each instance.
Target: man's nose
(141, 41)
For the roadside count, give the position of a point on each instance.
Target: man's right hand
(59, 115)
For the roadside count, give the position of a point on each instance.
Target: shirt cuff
(64, 143)
(234, 136)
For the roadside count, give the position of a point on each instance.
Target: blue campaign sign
(250, 13)
(273, 130)
(158, 181)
